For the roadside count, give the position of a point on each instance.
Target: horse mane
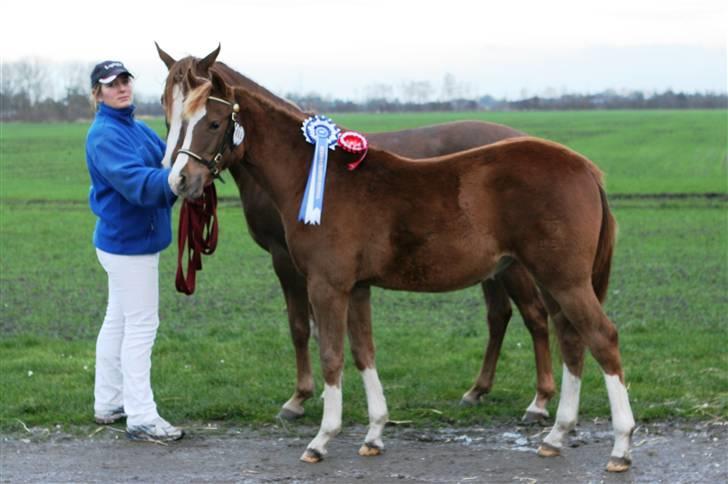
(271, 103)
(177, 74)
(245, 82)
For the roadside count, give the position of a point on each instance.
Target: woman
(132, 201)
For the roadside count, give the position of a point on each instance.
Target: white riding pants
(124, 345)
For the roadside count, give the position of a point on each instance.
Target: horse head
(175, 91)
(212, 138)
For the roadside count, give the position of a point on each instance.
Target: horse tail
(605, 248)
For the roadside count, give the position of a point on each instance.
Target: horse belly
(438, 269)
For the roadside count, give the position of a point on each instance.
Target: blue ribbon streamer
(322, 132)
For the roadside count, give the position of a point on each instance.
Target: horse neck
(236, 79)
(276, 153)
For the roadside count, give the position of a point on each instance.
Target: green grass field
(640, 151)
(225, 353)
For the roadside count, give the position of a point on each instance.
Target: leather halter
(225, 142)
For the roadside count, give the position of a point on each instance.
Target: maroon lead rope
(198, 231)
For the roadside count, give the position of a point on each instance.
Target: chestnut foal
(436, 225)
(266, 228)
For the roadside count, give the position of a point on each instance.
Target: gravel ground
(669, 452)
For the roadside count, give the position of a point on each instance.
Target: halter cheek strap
(227, 139)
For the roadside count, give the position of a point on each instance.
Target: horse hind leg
(572, 353)
(582, 309)
(499, 314)
(522, 290)
(296, 296)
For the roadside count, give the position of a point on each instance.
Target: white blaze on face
(182, 159)
(175, 125)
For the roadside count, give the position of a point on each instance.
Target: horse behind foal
(378, 229)
(266, 228)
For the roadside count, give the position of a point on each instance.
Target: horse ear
(166, 58)
(218, 84)
(204, 65)
(192, 80)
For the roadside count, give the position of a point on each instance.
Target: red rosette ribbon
(354, 142)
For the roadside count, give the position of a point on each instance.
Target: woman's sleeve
(124, 169)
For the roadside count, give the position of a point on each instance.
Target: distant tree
(24, 84)
(550, 92)
(74, 77)
(417, 92)
(378, 90)
(77, 104)
(31, 76)
(34, 90)
(449, 88)
(148, 106)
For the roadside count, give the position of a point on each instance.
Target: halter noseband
(226, 140)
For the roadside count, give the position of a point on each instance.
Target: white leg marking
(175, 125)
(331, 421)
(622, 419)
(377, 405)
(294, 405)
(568, 410)
(182, 159)
(535, 409)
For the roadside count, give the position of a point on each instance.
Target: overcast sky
(342, 47)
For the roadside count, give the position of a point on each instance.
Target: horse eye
(214, 125)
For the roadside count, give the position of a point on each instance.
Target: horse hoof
(468, 401)
(547, 450)
(534, 418)
(289, 415)
(312, 456)
(369, 450)
(618, 464)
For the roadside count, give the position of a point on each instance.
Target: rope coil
(198, 231)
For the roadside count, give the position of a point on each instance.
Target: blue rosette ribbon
(322, 132)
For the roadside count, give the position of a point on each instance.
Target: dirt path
(663, 452)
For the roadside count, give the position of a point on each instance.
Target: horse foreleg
(296, 295)
(362, 349)
(330, 307)
(523, 292)
(499, 314)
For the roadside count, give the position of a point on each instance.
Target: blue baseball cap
(105, 72)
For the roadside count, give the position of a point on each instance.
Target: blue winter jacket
(129, 192)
